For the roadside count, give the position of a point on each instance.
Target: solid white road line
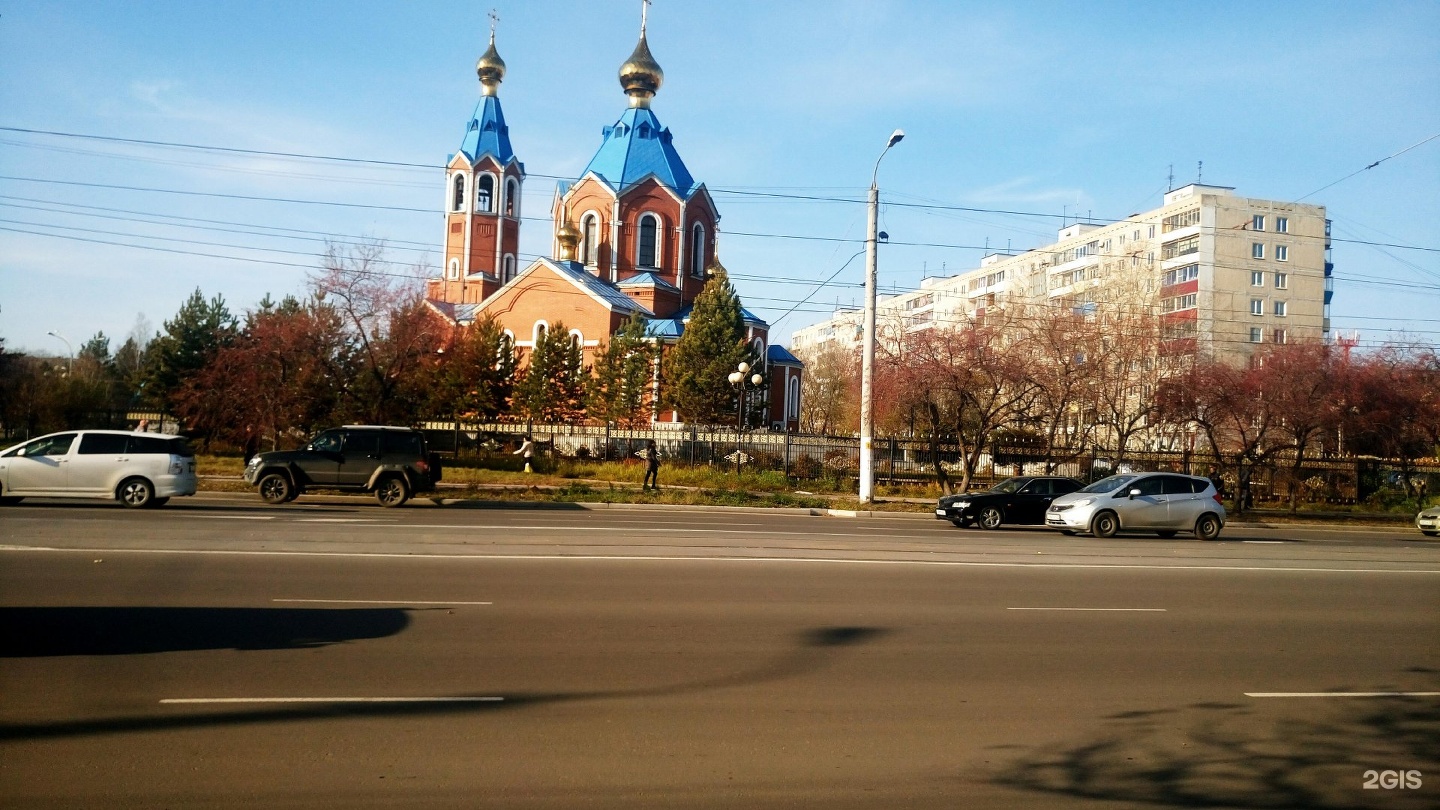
(1338, 694)
(1266, 542)
(382, 555)
(337, 520)
(202, 701)
(232, 517)
(376, 602)
(1103, 610)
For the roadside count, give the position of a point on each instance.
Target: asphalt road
(221, 653)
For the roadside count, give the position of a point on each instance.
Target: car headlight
(961, 504)
(1083, 502)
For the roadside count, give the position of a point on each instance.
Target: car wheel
(392, 491)
(1167, 533)
(135, 493)
(1207, 527)
(276, 488)
(961, 523)
(1105, 524)
(1067, 532)
(991, 518)
(156, 503)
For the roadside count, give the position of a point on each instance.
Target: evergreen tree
(552, 387)
(478, 373)
(622, 389)
(697, 370)
(191, 338)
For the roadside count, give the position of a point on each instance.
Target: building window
(1184, 219)
(646, 251)
(577, 340)
(507, 268)
(454, 269)
(1180, 248)
(1152, 231)
(507, 349)
(538, 334)
(1180, 275)
(1257, 278)
(1282, 281)
(1257, 306)
(1280, 336)
(1257, 222)
(1282, 225)
(1178, 303)
(1257, 250)
(458, 198)
(794, 397)
(512, 197)
(1282, 253)
(590, 239)
(1257, 334)
(1280, 308)
(697, 250)
(484, 193)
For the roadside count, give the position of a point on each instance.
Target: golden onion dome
(641, 75)
(568, 238)
(490, 69)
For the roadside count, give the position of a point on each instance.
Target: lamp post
(70, 355)
(867, 357)
(737, 379)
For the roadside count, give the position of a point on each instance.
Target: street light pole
(867, 357)
(70, 356)
(742, 385)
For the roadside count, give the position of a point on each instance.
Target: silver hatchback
(1165, 503)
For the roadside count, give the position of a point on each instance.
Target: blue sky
(1045, 108)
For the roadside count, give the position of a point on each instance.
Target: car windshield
(1110, 484)
(1009, 485)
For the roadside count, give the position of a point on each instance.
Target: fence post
(892, 460)
(787, 454)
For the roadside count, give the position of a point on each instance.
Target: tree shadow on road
(814, 650)
(27, 632)
(1305, 754)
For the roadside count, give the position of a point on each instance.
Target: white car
(1428, 522)
(137, 469)
(1165, 503)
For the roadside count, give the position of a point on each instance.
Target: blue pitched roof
(636, 147)
(674, 326)
(648, 279)
(781, 355)
(457, 313)
(487, 134)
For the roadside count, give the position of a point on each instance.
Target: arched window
(454, 269)
(484, 194)
(590, 233)
(697, 250)
(577, 340)
(647, 249)
(507, 349)
(512, 195)
(540, 329)
(458, 204)
(507, 268)
(794, 398)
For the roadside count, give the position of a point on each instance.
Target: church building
(634, 233)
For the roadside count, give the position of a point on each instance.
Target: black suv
(1014, 500)
(391, 462)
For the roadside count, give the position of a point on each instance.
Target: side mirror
(1134, 492)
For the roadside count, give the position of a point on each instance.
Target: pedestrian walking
(526, 451)
(652, 466)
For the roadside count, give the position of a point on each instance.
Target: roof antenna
(1170, 179)
(1199, 172)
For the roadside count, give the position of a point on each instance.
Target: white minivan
(137, 469)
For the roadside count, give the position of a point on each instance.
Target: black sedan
(1014, 500)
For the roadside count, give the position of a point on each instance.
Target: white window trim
(577, 338)
(1281, 309)
(1282, 224)
(507, 268)
(1257, 278)
(454, 272)
(1257, 306)
(659, 239)
(464, 196)
(697, 251)
(1282, 253)
(535, 332)
(494, 188)
(1257, 222)
(1282, 281)
(586, 249)
(1257, 250)
(509, 184)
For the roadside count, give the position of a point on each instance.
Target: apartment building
(1225, 274)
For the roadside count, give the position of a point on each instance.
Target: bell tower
(483, 181)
